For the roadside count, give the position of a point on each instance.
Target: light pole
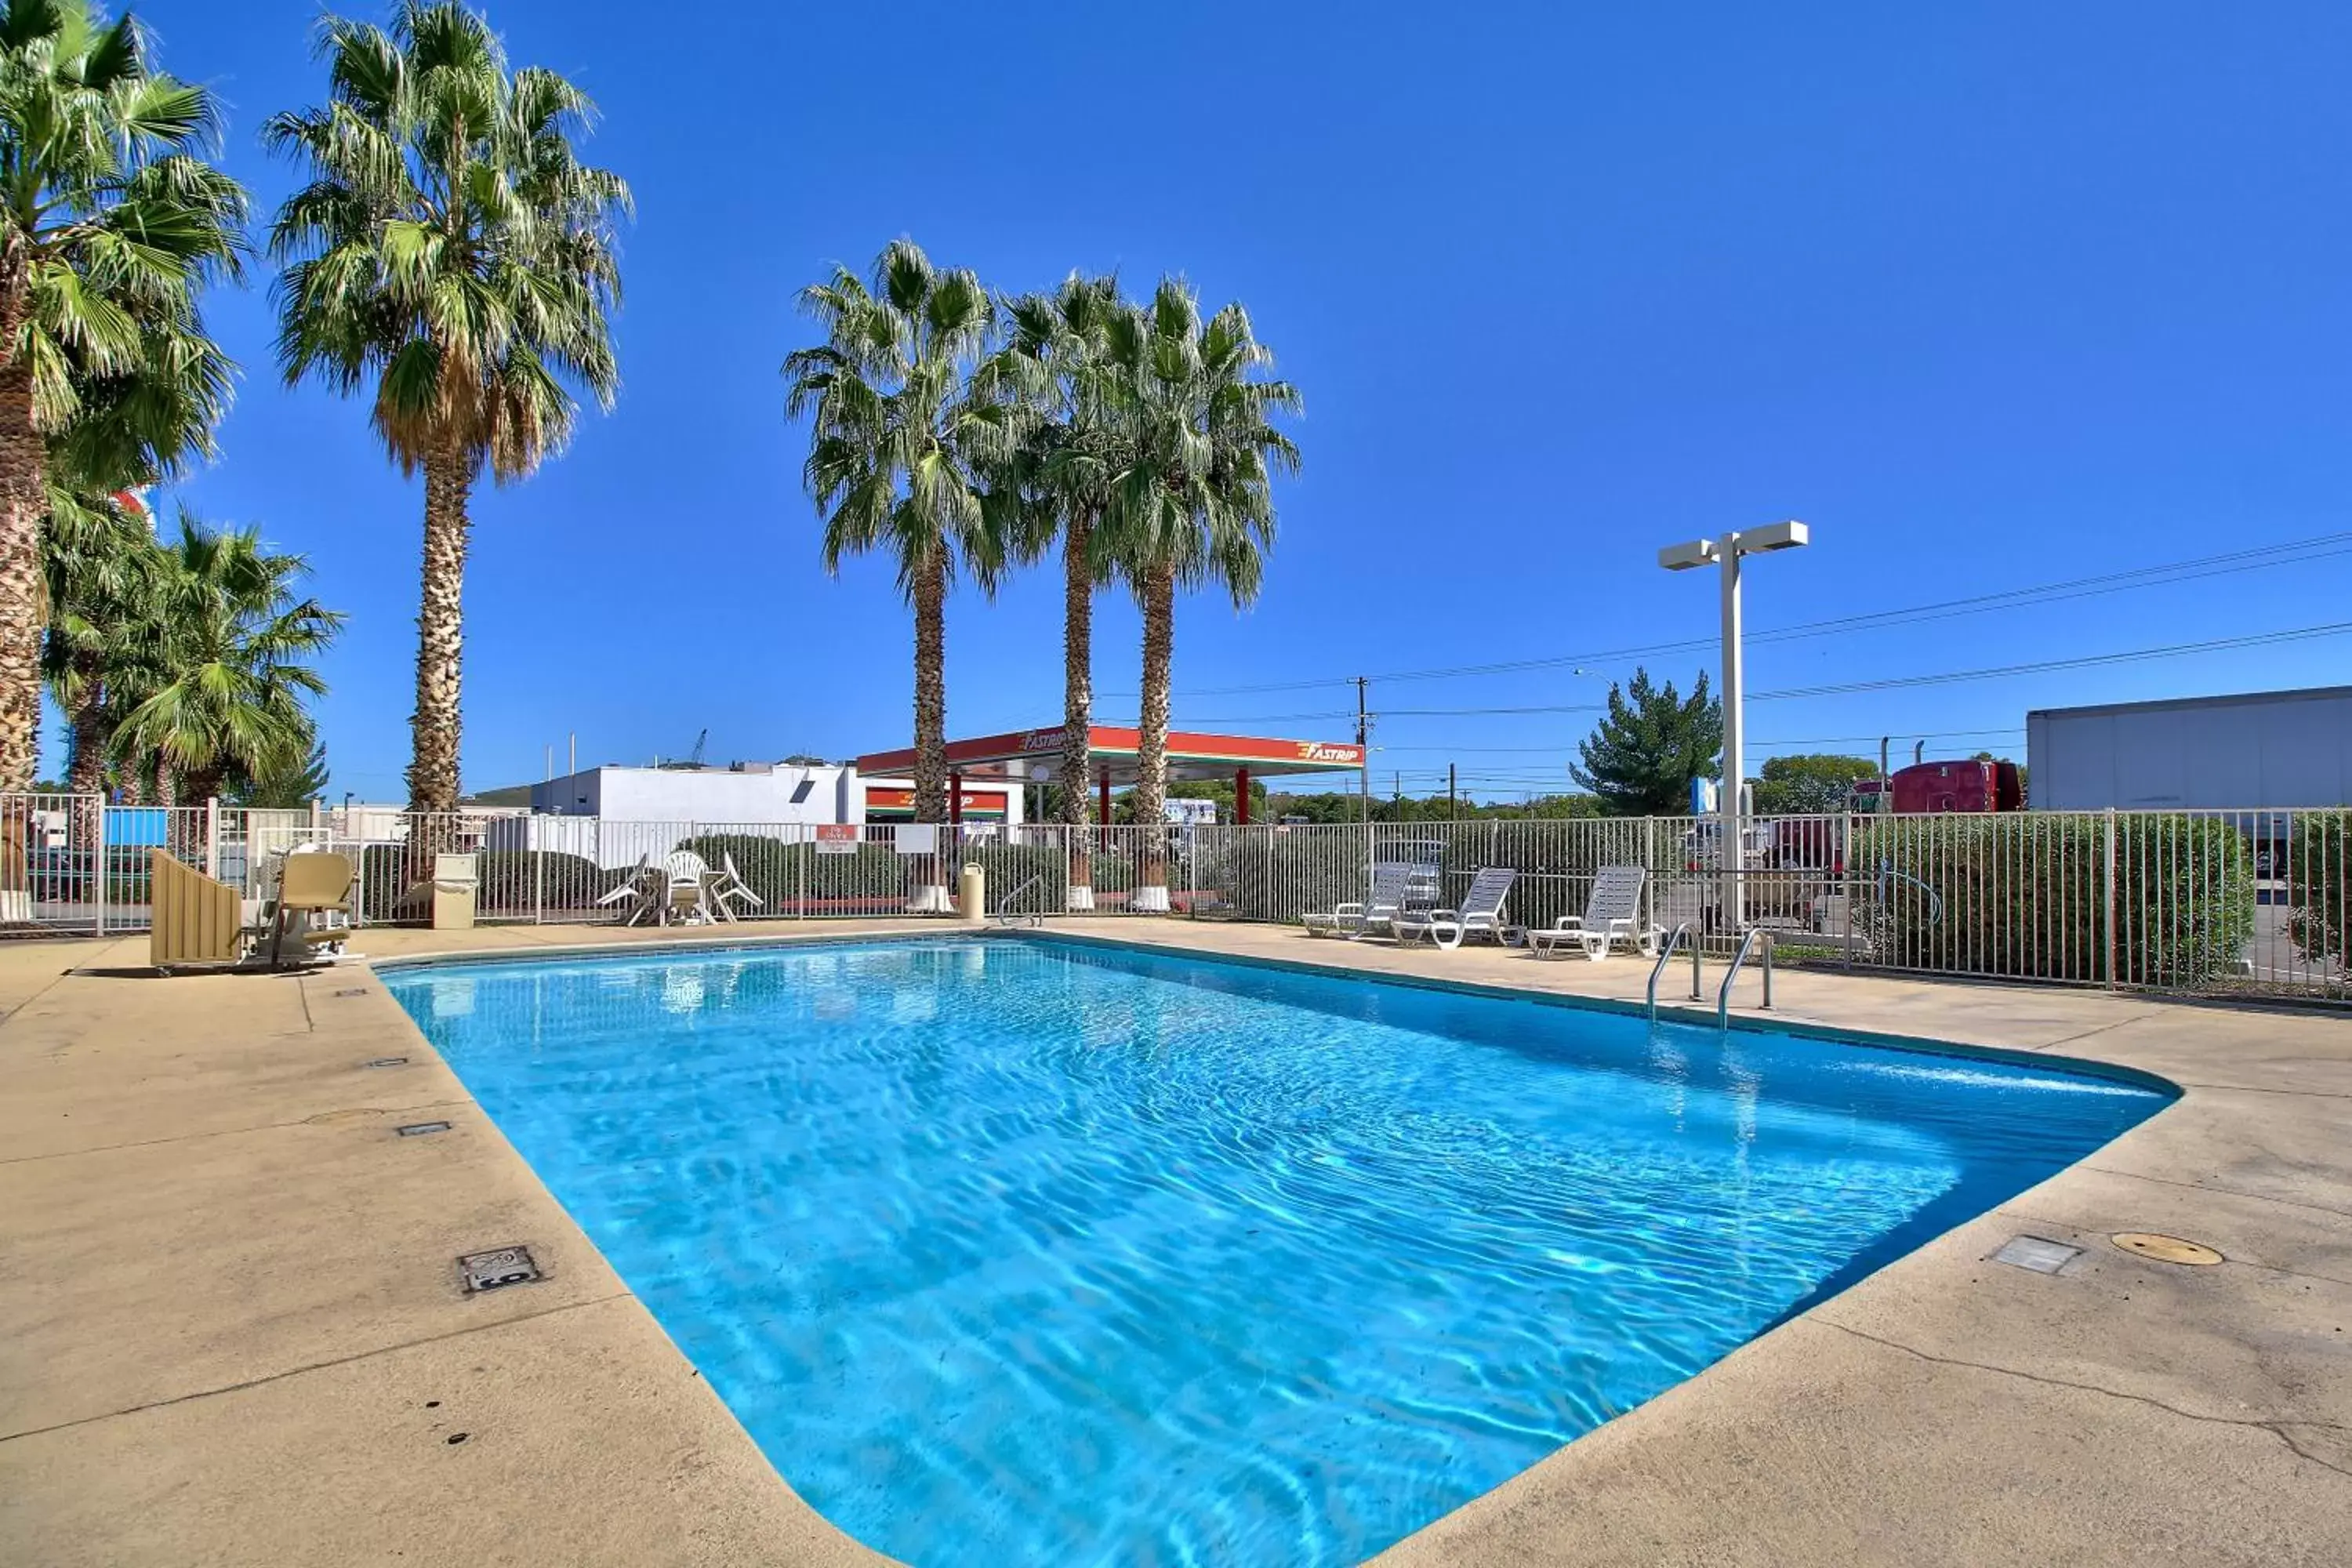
(1726, 553)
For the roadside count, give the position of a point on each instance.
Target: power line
(2259, 640)
(2260, 558)
(1893, 682)
(1808, 741)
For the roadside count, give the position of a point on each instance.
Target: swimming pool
(1013, 1251)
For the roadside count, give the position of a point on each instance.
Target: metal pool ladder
(1659, 968)
(1006, 915)
(1722, 994)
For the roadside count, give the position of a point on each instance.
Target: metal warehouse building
(2263, 750)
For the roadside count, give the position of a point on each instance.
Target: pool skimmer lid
(2032, 1252)
(2166, 1248)
(498, 1268)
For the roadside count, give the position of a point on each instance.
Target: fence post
(538, 870)
(804, 852)
(212, 837)
(2107, 898)
(1845, 863)
(97, 866)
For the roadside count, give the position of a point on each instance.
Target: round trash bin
(971, 894)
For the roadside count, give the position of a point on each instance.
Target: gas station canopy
(1034, 756)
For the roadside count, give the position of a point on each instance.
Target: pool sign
(836, 838)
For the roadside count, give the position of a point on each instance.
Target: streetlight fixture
(1726, 553)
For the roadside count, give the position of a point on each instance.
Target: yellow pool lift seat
(313, 888)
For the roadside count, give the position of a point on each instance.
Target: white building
(745, 792)
(625, 813)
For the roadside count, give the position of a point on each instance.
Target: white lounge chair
(730, 885)
(637, 892)
(1378, 907)
(1481, 914)
(1610, 916)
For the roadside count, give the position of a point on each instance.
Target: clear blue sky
(1991, 296)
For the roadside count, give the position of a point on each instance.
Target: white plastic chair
(1481, 914)
(685, 888)
(1377, 907)
(730, 885)
(1610, 916)
(636, 892)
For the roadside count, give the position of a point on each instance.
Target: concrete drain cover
(2167, 1249)
(2032, 1252)
(498, 1268)
(421, 1129)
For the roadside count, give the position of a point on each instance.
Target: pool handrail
(1723, 992)
(1005, 914)
(1658, 968)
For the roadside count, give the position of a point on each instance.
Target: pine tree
(1643, 756)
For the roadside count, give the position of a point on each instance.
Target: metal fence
(2213, 903)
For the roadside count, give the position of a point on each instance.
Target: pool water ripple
(1014, 1251)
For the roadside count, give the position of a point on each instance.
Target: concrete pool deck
(231, 1331)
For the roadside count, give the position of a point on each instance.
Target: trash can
(971, 894)
(456, 879)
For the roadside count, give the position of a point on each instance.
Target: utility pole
(1452, 807)
(1364, 749)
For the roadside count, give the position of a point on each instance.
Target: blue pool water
(1014, 1252)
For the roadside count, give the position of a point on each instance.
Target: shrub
(2024, 895)
(2319, 886)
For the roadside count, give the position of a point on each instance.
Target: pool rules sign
(836, 838)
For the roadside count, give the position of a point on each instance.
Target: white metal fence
(2255, 902)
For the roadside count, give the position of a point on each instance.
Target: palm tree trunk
(433, 728)
(1151, 748)
(24, 506)
(930, 892)
(1077, 702)
(86, 760)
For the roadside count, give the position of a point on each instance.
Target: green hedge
(2319, 886)
(2024, 894)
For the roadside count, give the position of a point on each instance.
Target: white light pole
(1726, 553)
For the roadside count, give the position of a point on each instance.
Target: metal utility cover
(419, 1128)
(498, 1268)
(386, 1062)
(2032, 1252)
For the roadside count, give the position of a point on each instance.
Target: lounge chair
(1610, 916)
(312, 886)
(1379, 907)
(1481, 914)
(730, 885)
(636, 891)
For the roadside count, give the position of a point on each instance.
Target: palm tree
(289, 785)
(1195, 505)
(230, 671)
(102, 563)
(451, 247)
(902, 433)
(1074, 446)
(110, 227)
